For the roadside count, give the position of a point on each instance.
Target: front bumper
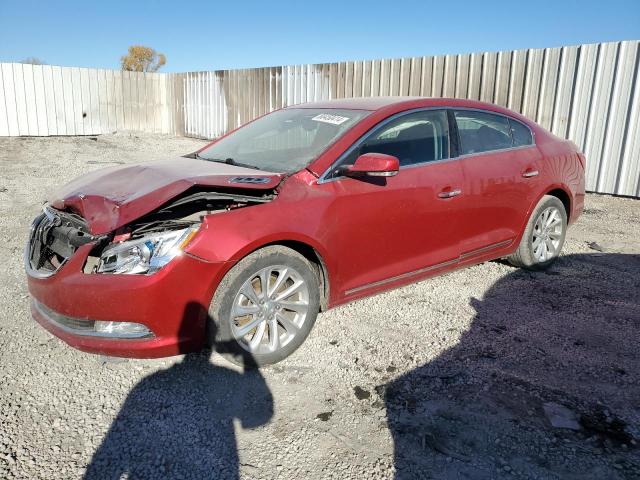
(172, 304)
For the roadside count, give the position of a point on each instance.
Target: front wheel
(265, 307)
(544, 236)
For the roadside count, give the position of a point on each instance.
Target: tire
(534, 251)
(236, 306)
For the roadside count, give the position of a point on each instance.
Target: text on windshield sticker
(328, 118)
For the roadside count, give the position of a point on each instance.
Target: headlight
(147, 254)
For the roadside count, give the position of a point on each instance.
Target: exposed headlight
(147, 254)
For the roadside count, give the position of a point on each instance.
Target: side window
(520, 133)
(412, 138)
(482, 132)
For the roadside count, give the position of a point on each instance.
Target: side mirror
(373, 164)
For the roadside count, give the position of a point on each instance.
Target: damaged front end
(85, 237)
(53, 239)
(150, 243)
(143, 246)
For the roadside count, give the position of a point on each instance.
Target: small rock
(361, 394)
(324, 416)
(595, 246)
(560, 416)
(111, 360)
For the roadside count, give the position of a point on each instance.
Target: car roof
(381, 108)
(377, 103)
(391, 105)
(360, 103)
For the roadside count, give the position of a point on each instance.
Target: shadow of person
(543, 384)
(179, 422)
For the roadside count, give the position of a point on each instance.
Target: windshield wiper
(228, 161)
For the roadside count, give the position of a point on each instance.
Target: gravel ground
(461, 376)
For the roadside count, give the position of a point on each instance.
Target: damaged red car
(241, 245)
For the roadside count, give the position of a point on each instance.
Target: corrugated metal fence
(44, 100)
(588, 93)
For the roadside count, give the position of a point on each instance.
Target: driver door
(390, 230)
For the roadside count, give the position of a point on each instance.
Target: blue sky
(209, 35)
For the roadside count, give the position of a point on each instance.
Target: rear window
(482, 132)
(520, 133)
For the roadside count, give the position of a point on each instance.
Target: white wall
(49, 100)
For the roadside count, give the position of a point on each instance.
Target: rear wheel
(265, 307)
(544, 236)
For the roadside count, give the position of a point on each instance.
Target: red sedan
(240, 245)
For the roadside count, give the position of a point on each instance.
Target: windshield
(284, 141)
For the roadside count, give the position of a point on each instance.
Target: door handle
(450, 193)
(530, 173)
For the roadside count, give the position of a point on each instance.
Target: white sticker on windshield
(328, 118)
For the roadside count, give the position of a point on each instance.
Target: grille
(49, 243)
(40, 256)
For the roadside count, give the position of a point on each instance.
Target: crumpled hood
(112, 197)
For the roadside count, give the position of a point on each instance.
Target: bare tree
(33, 61)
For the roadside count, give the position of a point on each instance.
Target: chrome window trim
(459, 157)
(323, 178)
(508, 117)
(471, 109)
(477, 154)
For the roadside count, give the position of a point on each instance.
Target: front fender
(230, 236)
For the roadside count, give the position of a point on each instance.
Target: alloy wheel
(270, 309)
(547, 234)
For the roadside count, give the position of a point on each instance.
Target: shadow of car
(565, 339)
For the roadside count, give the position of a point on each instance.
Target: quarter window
(482, 132)
(412, 138)
(520, 133)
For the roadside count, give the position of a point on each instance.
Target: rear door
(389, 229)
(500, 163)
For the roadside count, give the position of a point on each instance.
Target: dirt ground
(458, 377)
